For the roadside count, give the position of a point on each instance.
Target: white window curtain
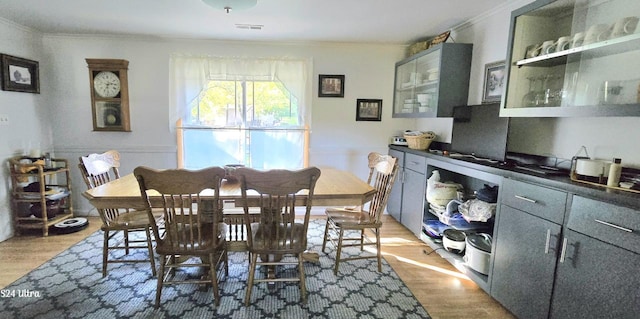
(189, 75)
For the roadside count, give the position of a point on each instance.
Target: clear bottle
(615, 171)
(47, 160)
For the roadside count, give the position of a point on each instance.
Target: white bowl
(423, 97)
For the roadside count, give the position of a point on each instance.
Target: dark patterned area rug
(71, 286)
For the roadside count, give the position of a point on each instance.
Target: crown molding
(18, 26)
(508, 5)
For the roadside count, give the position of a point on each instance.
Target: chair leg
(326, 234)
(378, 248)
(160, 279)
(214, 278)
(338, 252)
(362, 240)
(303, 285)
(252, 270)
(150, 247)
(226, 264)
(105, 253)
(172, 260)
(126, 241)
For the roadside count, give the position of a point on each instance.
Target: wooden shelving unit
(53, 185)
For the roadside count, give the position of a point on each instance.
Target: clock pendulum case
(108, 82)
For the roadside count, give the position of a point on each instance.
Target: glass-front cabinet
(574, 58)
(432, 82)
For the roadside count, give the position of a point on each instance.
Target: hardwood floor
(444, 292)
(21, 254)
(441, 289)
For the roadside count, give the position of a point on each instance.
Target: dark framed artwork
(494, 82)
(330, 85)
(19, 75)
(368, 110)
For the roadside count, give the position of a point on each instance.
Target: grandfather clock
(109, 94)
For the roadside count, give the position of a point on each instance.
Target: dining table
(334, 187)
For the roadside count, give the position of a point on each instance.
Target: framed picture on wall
(330, 85)
(368, 110)
(494, 82)
(19, 75)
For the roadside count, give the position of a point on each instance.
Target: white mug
(548, 47)
(596, 33)
(624, 26)
(578, 39)
(563, 43)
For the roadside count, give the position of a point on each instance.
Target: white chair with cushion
(98, 169)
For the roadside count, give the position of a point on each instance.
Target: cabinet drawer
(416, 163)
(616, 225)
(399, 155)
(540, 201)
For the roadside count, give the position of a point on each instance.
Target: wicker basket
(419, 142)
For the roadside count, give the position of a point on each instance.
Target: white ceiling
(373, 21)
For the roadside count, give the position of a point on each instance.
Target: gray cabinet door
(432, 82)
(596, 280)
(394, 204)
(524, 264)
(413, 195)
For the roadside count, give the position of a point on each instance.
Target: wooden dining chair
(343, 223)
(278, 235)
(193, 223)
(98, 169)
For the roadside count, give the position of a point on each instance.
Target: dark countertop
(561, 182)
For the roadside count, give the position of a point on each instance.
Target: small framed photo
(494, 82)
(19, 75)
(369, 110)
(330, 85)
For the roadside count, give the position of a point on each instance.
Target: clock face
(106, 84)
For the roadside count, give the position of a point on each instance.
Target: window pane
(276, 149)
(257, 111)
(267, 148)
(204, 148)
(272, 106)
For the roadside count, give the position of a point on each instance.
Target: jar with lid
(615, 170)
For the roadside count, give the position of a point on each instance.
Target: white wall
(337, 140)
(28, 114)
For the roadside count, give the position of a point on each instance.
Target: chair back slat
(192, 218)
(280, 192)
(98, 169)
(382, 173)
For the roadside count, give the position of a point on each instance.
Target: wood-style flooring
(443, 291)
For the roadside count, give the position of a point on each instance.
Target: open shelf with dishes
(589, 51)
(573, 58)
(40, 192)
(449, 227)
